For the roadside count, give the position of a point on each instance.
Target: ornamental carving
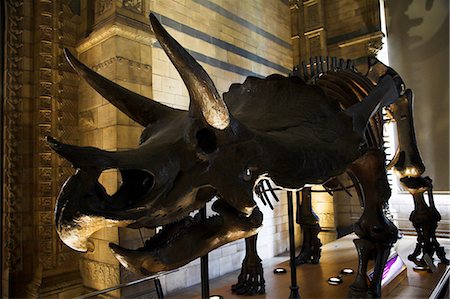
(12, 230)
(103, 34)
(374, 46)
(120, 59)
(133, 5)
(65, 94)
(101, 6)
(101, 274)
(55, 98)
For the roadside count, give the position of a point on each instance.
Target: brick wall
(231, 40)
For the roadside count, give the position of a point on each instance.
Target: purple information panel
(394, 266)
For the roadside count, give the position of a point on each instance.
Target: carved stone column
(40, 92)
(11, 221)
(54, 113)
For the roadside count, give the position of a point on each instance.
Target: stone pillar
(315, 33)
(40, 100)
(12, 253)
(54, 109)
(308, 30)
(297, 31)
(119, 48)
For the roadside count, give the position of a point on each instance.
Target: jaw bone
(189, 239)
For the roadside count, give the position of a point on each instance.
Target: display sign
(394, 266)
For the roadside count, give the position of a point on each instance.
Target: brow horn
(139, 108)
(203, 93)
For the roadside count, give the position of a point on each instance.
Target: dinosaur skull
(179, 166)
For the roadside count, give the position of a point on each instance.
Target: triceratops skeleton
(277, 127)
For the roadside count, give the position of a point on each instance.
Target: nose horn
(82, 157)
(203, 93)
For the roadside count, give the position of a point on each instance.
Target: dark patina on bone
(277, 127)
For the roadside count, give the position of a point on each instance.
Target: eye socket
(247, 175)
(206, 140)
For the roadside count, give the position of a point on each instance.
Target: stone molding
(107, 32)
(361, 39)
(120, 59)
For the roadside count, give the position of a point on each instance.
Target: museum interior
(182, 59)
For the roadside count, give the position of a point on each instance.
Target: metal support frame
(204, 264)
(294, 287)
(155, 278)
(158, 288)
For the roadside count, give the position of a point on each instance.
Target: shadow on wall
(418, 41)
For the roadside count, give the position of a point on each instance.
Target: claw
(251, 280)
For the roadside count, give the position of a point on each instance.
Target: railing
(158, 289)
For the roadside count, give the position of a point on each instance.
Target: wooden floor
(312, 279)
